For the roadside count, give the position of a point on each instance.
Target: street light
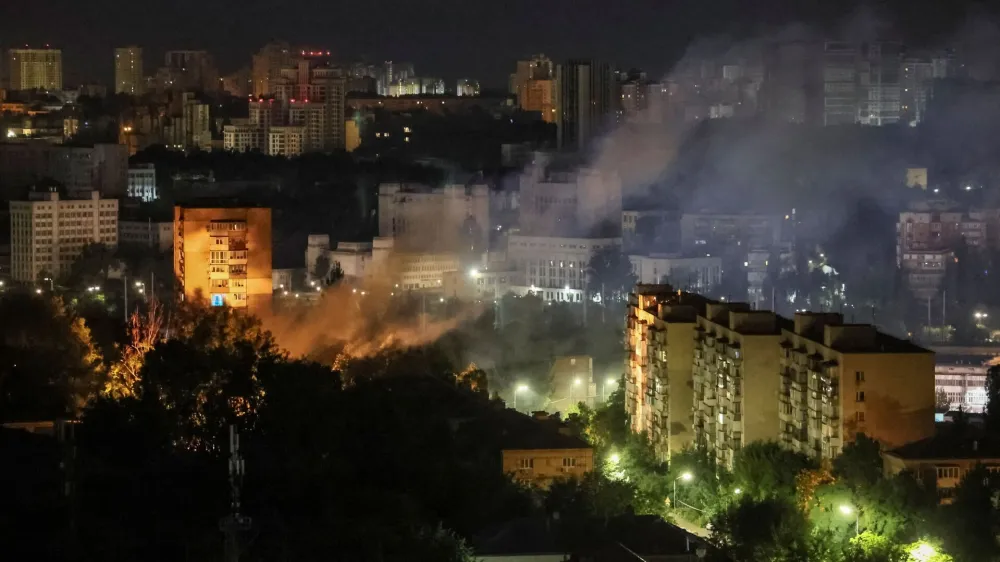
(685, 476)
(923, 552)
(608, 381)
(614, 458)
(737, 492)
(519, 389)
(848, 510)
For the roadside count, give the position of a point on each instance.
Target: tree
(92, 267)
(766, 469)
(993, 398)
(766, 529)
(49, 367)
(609, 274)
(144, 332)
(860, 463)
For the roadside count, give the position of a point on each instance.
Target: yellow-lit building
(659, 339)
(540, 96)
(128, 71)
(352, 135)
(541, 450)
(839, 379)
(223, 254)
(35, 69)
(735, 378)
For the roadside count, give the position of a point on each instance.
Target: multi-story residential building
(698, 273)
(585, 102)
(541, 451)
(534, 84)
(861, 83)
(158, 235)
(128, 71)
(659, 339)
(941, 462)
(285, 141)
(35, 69)
(926, 238)
(311, 94)
(103, 167)
(266, 67)
(649, 230)
(450, 218)
(142, 183)
(189, 71)
(223, 254)
(49, 232)
(554, 268)
(735, 378)
(837, 380)
(810, 384)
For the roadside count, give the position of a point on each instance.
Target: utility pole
(234, 524)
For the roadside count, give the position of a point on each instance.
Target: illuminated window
(218, 300)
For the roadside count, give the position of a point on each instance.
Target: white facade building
(142, 183)
(553, 268)
(693, 274)
(49, 233)
(444, 219)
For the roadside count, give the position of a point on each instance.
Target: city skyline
(644, 35)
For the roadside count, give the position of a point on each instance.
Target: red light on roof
(303, 52)
(293, 100)
(328, 53)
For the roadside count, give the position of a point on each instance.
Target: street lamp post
(848, 510)
(687, 476)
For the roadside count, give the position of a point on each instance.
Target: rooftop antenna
(234, 524)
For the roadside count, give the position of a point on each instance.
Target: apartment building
(840, 379)
(35, 69)
(660, 339)
(735, 378)
(222, 253)
(103, 167)
(699, 273)
(49, 231)
(942, 461)
(721, 375)
(420, 217)
(962, 382)
(539, 451)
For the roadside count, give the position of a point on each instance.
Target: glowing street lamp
(923, 552)
(848, 511)
(614, 458)
(685, 476)
(737, 492)
(610, 380)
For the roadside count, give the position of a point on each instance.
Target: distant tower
(128, 71)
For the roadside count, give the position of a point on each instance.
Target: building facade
(586, 92)
(103, 167)
(49, 232)
(810, 384)
(450, 218)
(128, 71)
(149, 234)
(554, 268)
(223, 254)
(35, 69)
(142, 183)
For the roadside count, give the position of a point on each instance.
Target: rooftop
(948, 446)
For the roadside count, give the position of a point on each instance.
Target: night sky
(446, 38)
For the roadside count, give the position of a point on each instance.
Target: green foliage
(766, 469)
(860, 463)
(610, 275)
(969, 525)
(872, 547)
(49, 368)
(771, 528)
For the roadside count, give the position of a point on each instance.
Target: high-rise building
(861, 83)
(659, 337)
(449, 218)
(534, 84)
(223, 254)
(311, 95)
(190, 70)
(49, 232)
(558, 199)
(128, 71)
(267, 65)
(35, 69)
(585, 102)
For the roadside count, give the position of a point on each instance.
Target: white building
(467, 87)
(157, 235)
(553, 268)
(285, 141)
(443, 219)
(142, 183)
(962, 382)
(48, 233)
(693, 274)
(568, 202)
(242, 137)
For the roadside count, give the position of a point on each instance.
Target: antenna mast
(234, 524)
